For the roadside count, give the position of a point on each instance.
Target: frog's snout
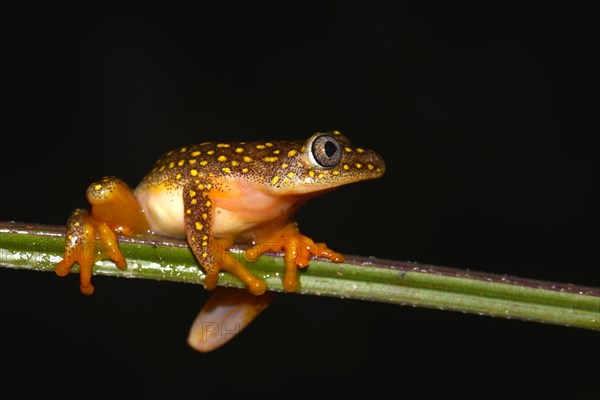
(374, 159)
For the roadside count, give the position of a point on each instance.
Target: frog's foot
(224, 261)
(88, 240)
(298, 249)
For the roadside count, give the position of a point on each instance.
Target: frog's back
(234, 160)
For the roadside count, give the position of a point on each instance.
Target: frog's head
(325, 161)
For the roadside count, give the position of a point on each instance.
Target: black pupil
(330, 148)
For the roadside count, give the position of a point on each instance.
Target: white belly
(244, 209)
(164, 211)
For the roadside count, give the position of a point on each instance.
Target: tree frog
(216, 195)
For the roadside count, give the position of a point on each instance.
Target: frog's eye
(325, 151)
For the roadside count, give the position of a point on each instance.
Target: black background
(481, 112)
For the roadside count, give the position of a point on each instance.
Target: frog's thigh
(211, 253)
(114, 203)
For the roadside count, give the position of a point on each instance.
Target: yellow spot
(196, 153)
(276, 151)
(275, 179)
(192, 161)
(348, 149)
(194, 172)
(320, 176)
(269, 144)
(181, 162)
(222, 145)
(346, 167)
(260, 146)
(285, 180)
(76, 224)
(205, 143)
(178, 176)
(203, 162)
(222, 158)
(161, 169)
(370, 166)
(359, 150)
(208, 203)
(335, 172)
(199, 226)
(247, 159)
(290, 175)
(188, 211)
(204, 255)
(192, 193)
(239, 150)
(170, 152)
(292, 153)
(200, 186)
(69, 237)
(270, 159)
(284, 165)
(227, 170)
(194, 201)
(204, 216)
(205, 243)
(358, 165)
(210, 152)
(234, 163)
(208, 186)
(336, 132)
(171, 164)
(98, 187)
(183, 150)
(244, 170)
(205, 237)
(311, 173)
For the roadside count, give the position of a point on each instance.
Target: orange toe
(88, 240)
(224, 261)
(298, 250)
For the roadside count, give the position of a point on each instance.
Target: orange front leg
(212, 253)
(298, 249)
(91, 235)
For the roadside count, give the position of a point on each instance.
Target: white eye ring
(324, 151)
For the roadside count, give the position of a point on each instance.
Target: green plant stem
(38, 247)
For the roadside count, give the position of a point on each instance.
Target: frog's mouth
(317, 181)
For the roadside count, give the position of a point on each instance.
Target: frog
(217, 195)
